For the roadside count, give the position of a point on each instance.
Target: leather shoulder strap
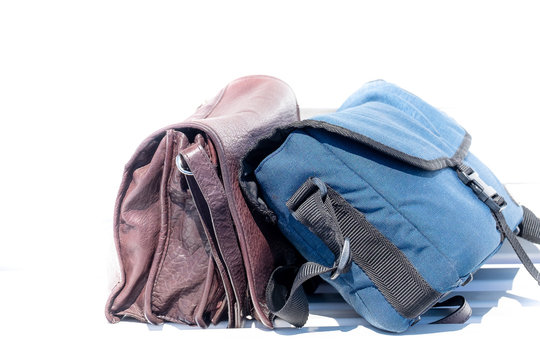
(211, 201)
(248, 110)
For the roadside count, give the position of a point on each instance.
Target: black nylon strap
(288, 280)
(458, 316)
(311, 206)
(530, 227)
(333, 219)
(389, 269)
(338, 224)
(514, 242)
(285, 295)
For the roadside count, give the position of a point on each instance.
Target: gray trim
(434, 164)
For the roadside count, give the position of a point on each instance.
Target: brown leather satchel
(189, 249)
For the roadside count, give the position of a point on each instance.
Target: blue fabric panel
(425, 227)
(355, 287)
(436, 206)
(513, 213)
(400, 120)
(426, 214)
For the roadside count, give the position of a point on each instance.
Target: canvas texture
(400, 174)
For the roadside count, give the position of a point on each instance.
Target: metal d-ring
(180, 168)
(343, 263)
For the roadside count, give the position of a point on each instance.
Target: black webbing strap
(285, 295)
(350, 236)
(530, 226)
(459, 316)
(514, 242)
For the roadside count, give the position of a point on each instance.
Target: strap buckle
(483, 191)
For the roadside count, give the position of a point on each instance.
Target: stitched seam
(163, 233)
(433, 164)
(133, 315)
(177, 321)
(278, 151)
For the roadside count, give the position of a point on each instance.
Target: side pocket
(137, 228)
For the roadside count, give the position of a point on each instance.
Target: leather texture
(189, 248)
(209, 196)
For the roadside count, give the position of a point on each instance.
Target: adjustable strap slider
(483, 191)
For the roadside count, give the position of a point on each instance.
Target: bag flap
(393, 121)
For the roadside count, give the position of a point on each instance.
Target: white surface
(82, 83)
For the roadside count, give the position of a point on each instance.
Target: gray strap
(333, 219)
(530, 227)
(285, 295)
(458, 316)
(350, 236)
(514, 242)
(496, 203)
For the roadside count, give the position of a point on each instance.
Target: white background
(83, 82)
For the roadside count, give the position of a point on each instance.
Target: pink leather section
(157, 227)
(145, 206)
(248, 111)
(179, 275)
(209, 194)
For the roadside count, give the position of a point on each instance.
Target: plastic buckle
(343, 264)
(483, 191)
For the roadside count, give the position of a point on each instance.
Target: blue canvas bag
(386, 203)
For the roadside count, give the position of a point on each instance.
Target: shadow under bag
(189, 250)
(387, 204)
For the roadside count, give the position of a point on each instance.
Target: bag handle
(211, 201)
